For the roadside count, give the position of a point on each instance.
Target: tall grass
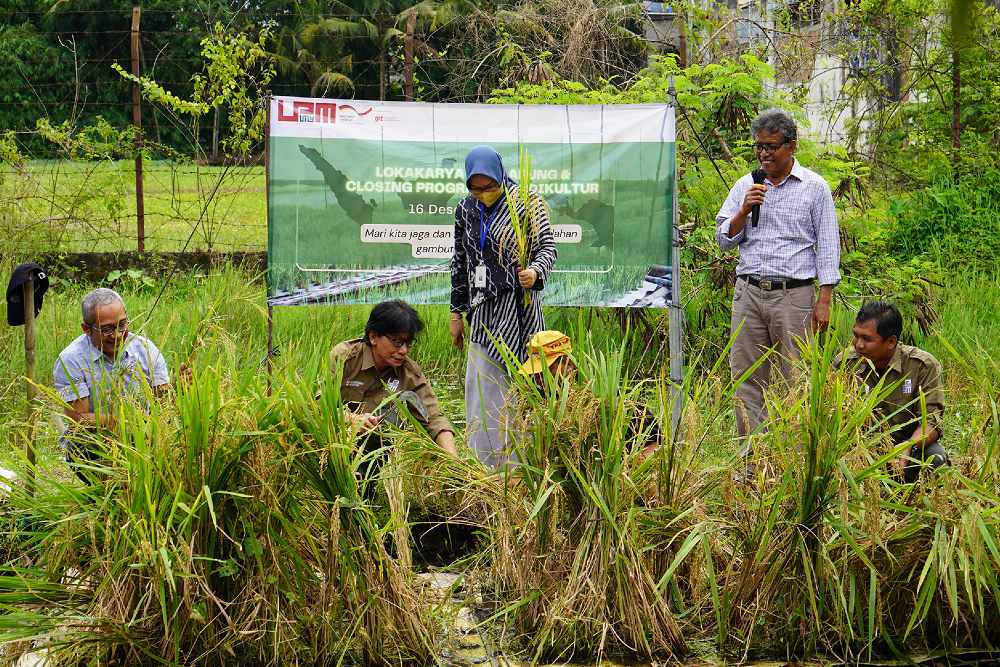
(571, 572)
(228, 524)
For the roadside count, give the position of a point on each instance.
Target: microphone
(758, 177)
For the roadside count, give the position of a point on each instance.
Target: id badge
(479, 282)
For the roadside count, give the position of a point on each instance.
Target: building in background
(812, 50)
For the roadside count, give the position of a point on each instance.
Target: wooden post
(140, 208)
(28, 296)
(411, 27)
(682, 44)
(956, 112)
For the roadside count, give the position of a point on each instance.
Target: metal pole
(270, 346)
(140, 207)
(28, 299)
(267, 264)
(676, 321)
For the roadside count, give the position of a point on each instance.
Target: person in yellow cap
(552, 349)
(549, 349)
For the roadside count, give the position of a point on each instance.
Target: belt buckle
(765, 284)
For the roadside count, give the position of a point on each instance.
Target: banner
(362, 197)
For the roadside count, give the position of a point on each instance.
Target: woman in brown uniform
(377, 367)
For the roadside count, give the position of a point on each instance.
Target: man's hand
(185, 373)
(457, 328)
(365, 422)
(821, 311)
(79, 412)
(821, 316)
(527, 278)
(898, 466)
(753, 197)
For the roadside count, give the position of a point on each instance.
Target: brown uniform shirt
(364, 388)
(914, 373)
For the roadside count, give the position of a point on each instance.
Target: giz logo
(307, 112)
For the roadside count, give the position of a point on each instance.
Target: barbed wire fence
(50, 199)
(90, 205)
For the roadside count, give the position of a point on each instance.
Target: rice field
(90, 206)
(229, 527)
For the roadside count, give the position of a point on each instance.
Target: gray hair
(102, 296)
(775, 120)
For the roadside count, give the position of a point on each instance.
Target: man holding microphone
(791, 243)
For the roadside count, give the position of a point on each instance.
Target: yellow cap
(545, 347)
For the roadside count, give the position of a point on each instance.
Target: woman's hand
(457, 328)
(527, 278)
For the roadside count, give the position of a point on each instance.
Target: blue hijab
(485, 161)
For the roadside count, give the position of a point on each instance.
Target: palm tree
(318, 52)
(324, 48)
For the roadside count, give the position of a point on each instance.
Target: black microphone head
(758, 175)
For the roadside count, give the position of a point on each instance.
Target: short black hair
(775, 120)
(393, 317)
(888, 321)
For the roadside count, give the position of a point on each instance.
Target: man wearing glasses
(104, 362)
(794, 246)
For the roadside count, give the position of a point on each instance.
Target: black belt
(768, 284)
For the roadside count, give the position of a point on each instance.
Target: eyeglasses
(111, 329)
(768, 148)
(399, 343)
(486, 188)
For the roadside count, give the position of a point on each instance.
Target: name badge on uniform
(907, 386)
(393, 384)
(479, 281)
(353, 383)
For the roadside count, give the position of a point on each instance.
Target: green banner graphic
(362, 197)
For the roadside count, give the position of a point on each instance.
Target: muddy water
(465, 646)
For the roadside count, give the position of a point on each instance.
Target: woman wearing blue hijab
(487, 289)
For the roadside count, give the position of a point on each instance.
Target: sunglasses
(111, 329)
(482, 190)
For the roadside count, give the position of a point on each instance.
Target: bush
(959, 223)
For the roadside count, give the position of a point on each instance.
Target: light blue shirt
(83, 371)
(798, 235)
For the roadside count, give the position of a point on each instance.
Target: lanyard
(484, 225)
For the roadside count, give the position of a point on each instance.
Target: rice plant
(525, 209)
(228, 525)
(571, 574)
(223, 527)
(833, 556)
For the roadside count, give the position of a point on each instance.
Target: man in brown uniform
(377, 367)
(914, 409)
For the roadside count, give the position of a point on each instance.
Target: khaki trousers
(774, 318)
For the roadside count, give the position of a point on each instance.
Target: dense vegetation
(206, 534)
(228, 524)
